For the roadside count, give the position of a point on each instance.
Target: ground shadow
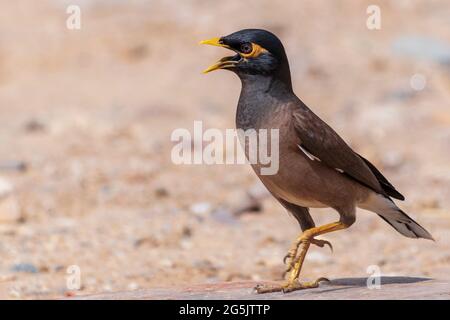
(345, 283)
(362, 282)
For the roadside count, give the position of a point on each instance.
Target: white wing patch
(314, 158)
(309, 155)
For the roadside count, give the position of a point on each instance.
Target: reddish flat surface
(348, 288)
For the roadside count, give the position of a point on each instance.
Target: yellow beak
(213, 42)
(222, 63)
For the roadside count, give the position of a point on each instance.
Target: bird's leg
(304, 241)
(292, 253)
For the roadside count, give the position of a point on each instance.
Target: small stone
(13, 293)
(7, 277)
(133, 286)
(25, 267)
(166, 263)
(10, 210)
(138, 52)
(6, 188)
(422, 48)
(429, 203)
(201, 208)
(151, 241)
(258, 191)
(69, 294)
(392, 160)
(318, 257)
(18, 166)
(58, 268)
(107, 288)
(186, 232)
(255, 277)
(161, 192)
(9, 206)
(224, 215)
(34, 125)
(186, 244)
(252, 202)
(206, 266)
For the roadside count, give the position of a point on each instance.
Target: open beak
(214, 42)
(224, 63)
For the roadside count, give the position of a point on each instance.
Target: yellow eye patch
(257, 50)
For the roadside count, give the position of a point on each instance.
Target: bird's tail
(408, 227)
(398, 219)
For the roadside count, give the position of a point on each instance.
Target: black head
(258, 52)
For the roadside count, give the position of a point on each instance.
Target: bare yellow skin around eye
(257, 50)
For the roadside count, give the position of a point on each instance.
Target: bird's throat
(258, 97)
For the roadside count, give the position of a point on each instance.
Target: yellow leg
(303, 242)
(289, 258)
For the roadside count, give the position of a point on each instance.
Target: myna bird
(317, 168)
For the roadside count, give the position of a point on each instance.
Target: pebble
(429, 203)
(14, 294)
(10, 210)
(392, 160)
(133, 286)
(107, 288)
(9, 207)
(186, 244)
(166, 263)
(255, 277)
(18, 166)
(318, 257)
(252, 201)
(200, 208)
(161, 192)
(6, 188)
(7, 277)
(34, 125)
(25, 267)
(225, 216)
(424, 48)
(186, 232)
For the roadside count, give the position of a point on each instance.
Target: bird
(317, 168)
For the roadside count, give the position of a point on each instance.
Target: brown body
(316, 167)
(305, 182)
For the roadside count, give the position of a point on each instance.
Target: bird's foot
(289, 286)
(322, 243)
(289, 258)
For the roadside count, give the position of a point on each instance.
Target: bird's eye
(246, 48)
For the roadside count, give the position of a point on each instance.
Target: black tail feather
(385, 184)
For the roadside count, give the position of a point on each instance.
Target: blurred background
(86, 116)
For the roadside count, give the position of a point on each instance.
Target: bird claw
(289, 286)
(322, 243)
(322, 279)
(289, 255)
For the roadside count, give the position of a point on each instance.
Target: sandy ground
(86, 177)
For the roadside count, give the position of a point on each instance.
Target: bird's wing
(321, 143)
(385, 184)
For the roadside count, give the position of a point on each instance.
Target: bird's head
(258, 52)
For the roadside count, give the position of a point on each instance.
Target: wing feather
(323, 143)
